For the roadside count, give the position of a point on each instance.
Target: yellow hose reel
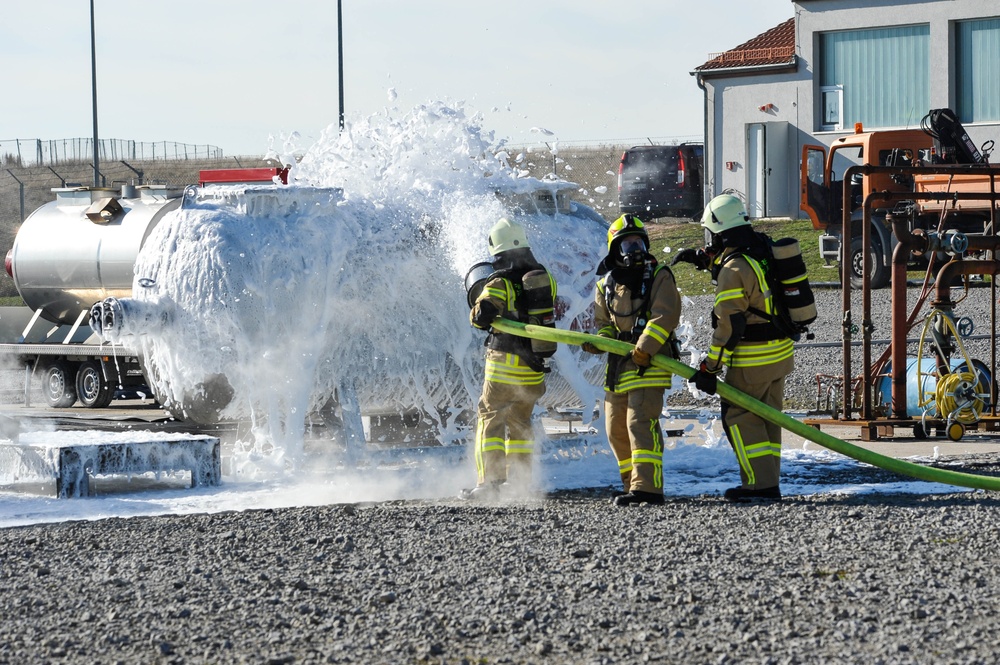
(959, 397)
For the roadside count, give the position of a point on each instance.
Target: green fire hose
(740, 399)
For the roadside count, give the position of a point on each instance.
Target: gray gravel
(568, 579)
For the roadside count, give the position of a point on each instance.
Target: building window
(977, 76)
(883, 74)
(833, 103)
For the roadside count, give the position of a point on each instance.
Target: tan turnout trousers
(505, 440)
(632, 422)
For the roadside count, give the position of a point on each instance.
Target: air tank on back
(81, 248)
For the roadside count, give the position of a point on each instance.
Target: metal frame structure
(909, 242)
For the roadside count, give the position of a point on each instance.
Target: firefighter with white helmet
(523, 290)
(756, 357)
(636, 300)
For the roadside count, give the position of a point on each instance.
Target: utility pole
(340, 60)
(93, 75)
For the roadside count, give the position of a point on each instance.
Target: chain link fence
(38, 152)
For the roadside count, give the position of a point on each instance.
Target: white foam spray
(348, 282)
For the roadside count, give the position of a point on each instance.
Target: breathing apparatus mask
(631, 252)
(713, 243)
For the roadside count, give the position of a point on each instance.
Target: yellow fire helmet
(627, 225)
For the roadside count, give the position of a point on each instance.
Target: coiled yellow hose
(958, 396)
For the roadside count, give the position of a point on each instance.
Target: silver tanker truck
(70, 254)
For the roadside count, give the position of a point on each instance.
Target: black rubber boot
(636, 498)
(744, 495)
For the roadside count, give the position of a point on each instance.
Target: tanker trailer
(68, 255)
(71, 254)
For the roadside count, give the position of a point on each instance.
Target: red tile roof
(774, 47)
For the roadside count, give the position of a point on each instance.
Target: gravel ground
(568, 579)
(565, 578)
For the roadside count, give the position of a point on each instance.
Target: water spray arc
(738, 398)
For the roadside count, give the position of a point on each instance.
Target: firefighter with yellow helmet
(636, 300)
(521, 289)
(755, 356)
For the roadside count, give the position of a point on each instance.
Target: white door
(756, 165)
(778, 171)
(768, 170)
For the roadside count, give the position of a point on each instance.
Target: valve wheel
(965, 326)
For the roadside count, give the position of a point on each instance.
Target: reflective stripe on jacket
(617, 318)
(511, 369)
(741, 284)
(502, 366)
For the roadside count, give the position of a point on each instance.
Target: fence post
(21, 187)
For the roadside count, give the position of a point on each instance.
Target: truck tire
(880, 273)
(92, 388)
(58, 386)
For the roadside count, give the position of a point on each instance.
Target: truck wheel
(880, 274)
(92, 388)
(58, 386)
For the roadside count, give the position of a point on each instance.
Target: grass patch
(11, 301)
(680, 235)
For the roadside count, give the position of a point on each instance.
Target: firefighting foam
(262, 303)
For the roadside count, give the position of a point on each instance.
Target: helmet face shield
(631, 244)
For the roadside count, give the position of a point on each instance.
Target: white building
(835, 63)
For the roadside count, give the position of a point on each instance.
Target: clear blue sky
(232, 72)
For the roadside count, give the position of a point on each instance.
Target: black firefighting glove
(706, 380)
(699, 258)
(641, 360)
(485, 313)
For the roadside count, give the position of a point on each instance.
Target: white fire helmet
(723, 213)
(507, 235)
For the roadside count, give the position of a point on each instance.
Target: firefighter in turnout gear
(756, 356)
(636, 300)
(520, 289)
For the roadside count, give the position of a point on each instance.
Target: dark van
(661, 181)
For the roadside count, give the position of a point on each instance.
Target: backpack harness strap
(757, 332)
(516, 344)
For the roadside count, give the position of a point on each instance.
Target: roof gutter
(747, 69)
